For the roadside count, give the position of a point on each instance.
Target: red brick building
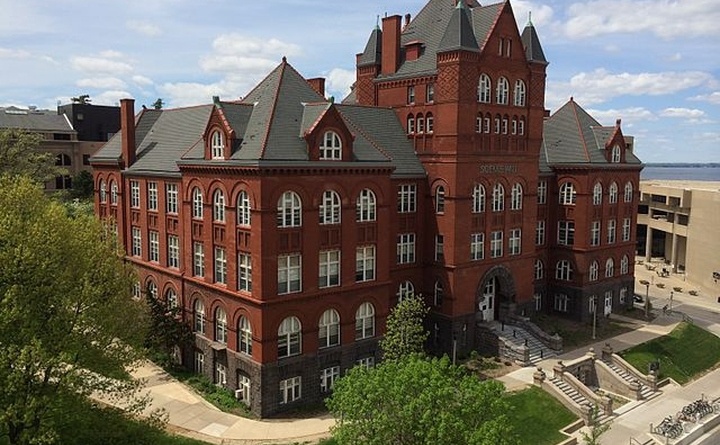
(286, 226)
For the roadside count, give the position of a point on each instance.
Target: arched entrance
(495, 294)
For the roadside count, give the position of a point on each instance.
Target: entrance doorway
(486, 303)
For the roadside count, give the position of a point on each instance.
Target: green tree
(82, 185)
(166, 332)
(417, 401)
(83, 99)
(19, 155)
(596, 429)
(158, 104)
(404, 333)
(68, 326)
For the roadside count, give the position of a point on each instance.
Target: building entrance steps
(520, 337)
(645, 391)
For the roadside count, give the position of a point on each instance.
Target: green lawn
(538, 417)
(684, 353)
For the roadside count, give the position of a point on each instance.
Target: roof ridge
(580, 130)
(271, 112)
(372, 141)
(494, 23)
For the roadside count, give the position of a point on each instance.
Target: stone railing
(649, 380)
(520, 354)
(554, 342)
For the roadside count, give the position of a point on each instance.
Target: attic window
(331, 147)
(217, 145)
(615, 158)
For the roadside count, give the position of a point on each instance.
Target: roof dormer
(327, 136)
(219, 135)
(615, 146)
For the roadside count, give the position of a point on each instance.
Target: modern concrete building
(678, 223)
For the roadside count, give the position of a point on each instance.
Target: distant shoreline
(683, 164)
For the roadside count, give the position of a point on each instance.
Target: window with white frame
(405, 290)
(137, 291)
(486, 124)
(154, 245)
(615, 156)
(331, 147)
(498, 121)
(613, 193)
(430, 92)
(566, 233)
(515, 242)
(609, 268)
(439, 247)
(328, 377)
(411, 94)
(243, 209)
(407, 198)
(538, 301)
(220, 265)
(496, 244)
(626, 233)
(113, 193)
(136, 242)
(365, 206)
(219, 206)
(429, 123)
(152, 198)
(173, 251)
(103, 192)
(199, 316)
(135, 194)
(540, 232)
(152, 289)
(516, 197)
(171, 299)
(477, 246)
(197, 200)
(438, 293)
(365, 263)
(593, 271)
(478, 197)
(595, 233)
(199, 362)
(289, 273)
(564, 270)
(420, 124)
(628, 192)
(484, 88)
(243, 386)
(611, 231)
(542, 192)
(171, 199)
(597, 194)
(521, 125)
(519, 96)
(289, 337)
(608, 303)
(289, 210)
(365, 362)
(329, 329)
(568, 195)
(501, 96)
(623, 295)
(539, 269)
(561, 303)
(221, 329)
(330, 208)
(290, 390)
(505, 125)
(244, 272)
(405, 248)
(514, 126)
(365, 321)
(440, 199)
(198, 259)
(329, 268)
(478, 123)
(244, 336)
(411, 124)
(217, 145)
(624, 265)
(498, 201)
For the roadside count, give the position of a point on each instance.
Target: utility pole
(671, 299)
(647, 301)
(594, 303)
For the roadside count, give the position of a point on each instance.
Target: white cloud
(339, 82)
(9, 53)
(100, 65)
(629, 116)
(541, 14)
(686, 113)
(235, 64)
(182, 94)
(663, 18)
(110, 97)
(713, 98)
(238, 44)
(142, 80)
(103, 83)
(111, 54)
(675, 57)
(144, 28)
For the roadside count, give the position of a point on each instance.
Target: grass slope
(537, 417)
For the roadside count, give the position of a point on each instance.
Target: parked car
(638, 299)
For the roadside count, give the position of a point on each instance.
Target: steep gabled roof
(372, 53)
(34, 120)
(531, 43)
(459, 33)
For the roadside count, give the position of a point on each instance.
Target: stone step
(537, 351)
(573, 394)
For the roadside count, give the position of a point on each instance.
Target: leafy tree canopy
(19, 155)
(67, 322)
(167, 331)
(417, 401)
(82, 99)
(405, 334)
(158, 104)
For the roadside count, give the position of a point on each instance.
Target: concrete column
(673, 254)
(648, 244)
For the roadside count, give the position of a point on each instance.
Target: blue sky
(653, 63)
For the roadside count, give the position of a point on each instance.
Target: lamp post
(594, 303)
(647, 300)
(671, 299)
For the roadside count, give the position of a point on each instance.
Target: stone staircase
(576, 397)
(520, 337)
(645, 391)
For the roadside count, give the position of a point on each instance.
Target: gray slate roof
(372, 53)
(459, 32)
(34, 120)
(531, 42)
(572, 136)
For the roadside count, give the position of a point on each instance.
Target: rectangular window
(328, 377)
(611, 231)
(198, 259)
(439, 247)
(626, 229)
(136, 242)
(411, 94)
(486, 125)
(134, 194)
(595, 233)
(477, 246)
(152, 196)
(366, 362)
(561, 302)
(171, 198)
(542, 192)
(407, 197)
(538, 302)
(365, 263)
(173, 253)
(243, 389)
(220, 374)
(329, 268)
(199, 362)
(290, 390)
(496, 244)
(566, 233)
(430, 93)
(515, 242)
(244, 272)
(220, 266)
(154, 246)
(406, 248)
(540, 233)
(289, 273)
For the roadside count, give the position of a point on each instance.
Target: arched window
(243, 209)
(152, 289)
(63, 160)
(329, 329)
(505, 124)
(615, 156)
(501, 96)
(593, 271)
(479, 123)
(498, 202)
(365, 321)
(289, 210)
(420, 124)
(171, 298)
(517, 197)
(564, 270)
(199, 316)
(405, 290)
(440, 199)
(539, 270)
(197, 199)
(521, 125)
(568, 195)
(609, 268)
(289, 337)
(628, 191)
(484, 88)
(113, 193)
(438, 293)
(244, 335)
(221, 330)
(478, 198)
(624, 265)
(429, 123)
(330, 208)
(597, 194)
(219, 206)
(498, 124)
(217, 145)
(519, 94)
(365, 206)
(103, 192)
(613, 193)
(331, 146)
(411, 124)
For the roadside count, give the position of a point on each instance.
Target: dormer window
(217, 145)
(331, 147)
(615, 155)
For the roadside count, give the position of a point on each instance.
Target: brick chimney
(391, 44)
(318, 84)
(127, 131)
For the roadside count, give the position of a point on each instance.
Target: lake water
(682, 173)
